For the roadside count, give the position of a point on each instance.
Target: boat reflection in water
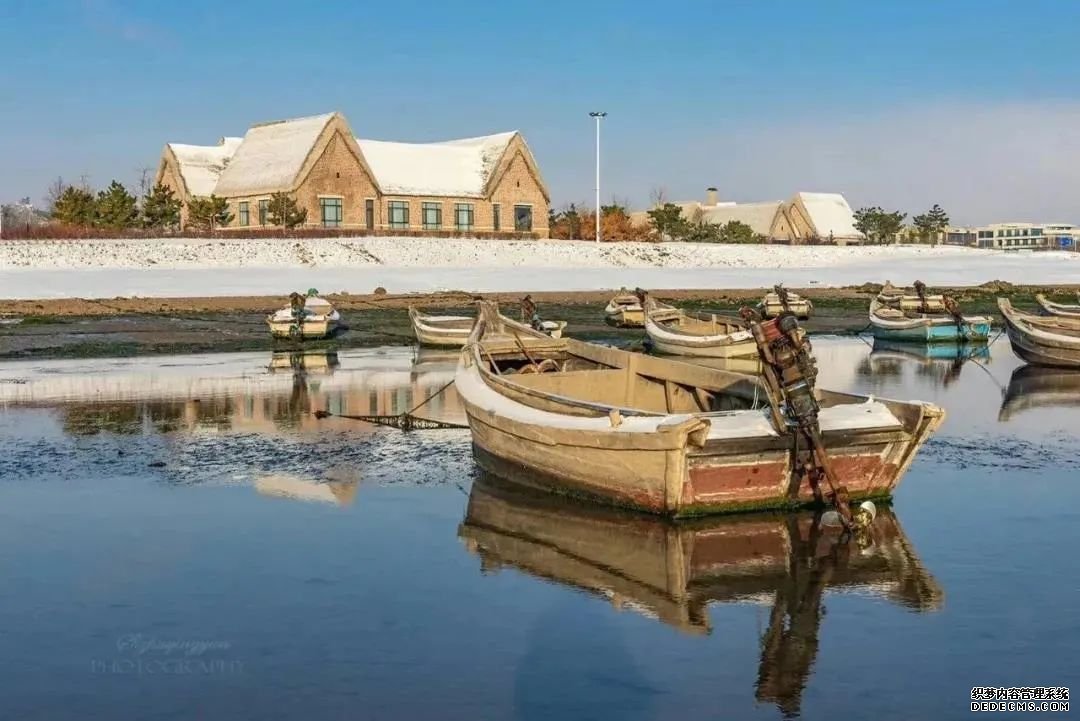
(1040, 387)
(941, 362)
(317, 362)
(673, 570)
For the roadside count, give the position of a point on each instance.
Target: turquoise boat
(894, 324)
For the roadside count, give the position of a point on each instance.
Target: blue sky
(969, 103)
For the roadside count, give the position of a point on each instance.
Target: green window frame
(523, 218)
(431, 215)
(332, 212)
(369, 213)
(496, 220)
(264, 211)
(398, 214)
(463, 216)
(243, 215)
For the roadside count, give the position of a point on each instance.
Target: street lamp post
(597, 115)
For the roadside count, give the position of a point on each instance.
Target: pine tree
(209, 213)
(161, 208)
(74, 206)
(668, 221)
(939, 219)
(283, 211)
(116, 208)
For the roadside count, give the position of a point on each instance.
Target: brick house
(474, 185)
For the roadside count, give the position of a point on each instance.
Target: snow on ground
(184, 267)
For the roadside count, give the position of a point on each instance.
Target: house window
(242, 213)
(463, 216)
(523, 218)
(369, 213)
(431, 215)
(496, 221)
(331, 212)
(264, 211)
(399, 213)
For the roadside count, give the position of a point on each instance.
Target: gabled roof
(200, 166)
(460, 168)
(759, 216)
(830, 214)
(272, 155)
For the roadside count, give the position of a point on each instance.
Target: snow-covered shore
(184, 267)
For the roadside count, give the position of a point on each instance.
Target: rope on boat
(406, 421)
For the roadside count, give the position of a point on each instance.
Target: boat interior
(701, 324)
(445, 322)
(1060, 324)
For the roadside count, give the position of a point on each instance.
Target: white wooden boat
(1040, 340)
(771, 305)
(452, 331)
(1062, 309)
(661, 435)
(316, 319)
(890, 322)
(675, 332)
(625, 311)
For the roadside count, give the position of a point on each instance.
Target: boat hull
(673, 470)
(934, 332)
(309, 330)
(1042, 341)
(626, 317)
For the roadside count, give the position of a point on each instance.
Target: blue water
(234, 558)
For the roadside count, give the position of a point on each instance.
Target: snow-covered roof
(759, 216)
(271, 156)
(458, 168)
(201, 165)
(830, 215)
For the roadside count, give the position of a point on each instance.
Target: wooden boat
(772, 306)
(1059, 309)
(672, 572)
(1039, 387)
(674, 332)
(1041, 340)
(315, 319)
(895, 323)
(660, 435)
(452, 331)
(625, 311)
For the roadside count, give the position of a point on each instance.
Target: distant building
(1017, 236)
(484, 184)
(803, 218)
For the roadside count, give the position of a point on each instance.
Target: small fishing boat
(1060, 309)
(674, 332)
(305, 318)
(1038, 387)
(668, 437)
(1041, 340)
(625, 311)
(452, 331)
(781, 300)
(890, 322)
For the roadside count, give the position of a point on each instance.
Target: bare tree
(658, 196)
(55, 190)
(146, 179)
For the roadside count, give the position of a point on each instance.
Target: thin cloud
(107, 19)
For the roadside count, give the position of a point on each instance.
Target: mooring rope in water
(406, 421)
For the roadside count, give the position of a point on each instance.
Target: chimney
(710, 196)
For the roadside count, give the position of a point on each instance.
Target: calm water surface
(181, 538)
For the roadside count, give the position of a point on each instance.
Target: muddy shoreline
(119, 327)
